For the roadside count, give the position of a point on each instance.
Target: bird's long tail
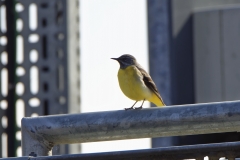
(157, 101)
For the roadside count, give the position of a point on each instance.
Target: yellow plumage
(136, 83)
(132, 85)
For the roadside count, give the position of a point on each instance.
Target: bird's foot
(138, 107)
(129, 108)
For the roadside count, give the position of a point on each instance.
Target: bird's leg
(131, 107)
(140, 106)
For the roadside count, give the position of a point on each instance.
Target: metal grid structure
(35, 68)
(8, 79)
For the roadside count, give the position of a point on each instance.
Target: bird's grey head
(126, 60)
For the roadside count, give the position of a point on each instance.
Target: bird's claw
(133, 108)
(138, 107)
(129, 108)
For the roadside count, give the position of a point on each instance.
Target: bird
(136, 83)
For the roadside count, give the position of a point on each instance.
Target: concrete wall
(217, 54)
(189, 43)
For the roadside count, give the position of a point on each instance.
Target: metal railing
(198, 152)
(40, 134)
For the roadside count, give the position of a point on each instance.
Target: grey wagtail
(136, 83)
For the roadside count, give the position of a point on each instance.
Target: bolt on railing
(40, 134)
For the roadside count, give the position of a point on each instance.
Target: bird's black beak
(115, 59)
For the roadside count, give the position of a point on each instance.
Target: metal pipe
(40, 134)
(199, 151)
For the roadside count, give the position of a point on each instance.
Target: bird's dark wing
(149, 82)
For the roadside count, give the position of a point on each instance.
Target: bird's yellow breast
(131, 83)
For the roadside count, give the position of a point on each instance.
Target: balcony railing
(40, 134)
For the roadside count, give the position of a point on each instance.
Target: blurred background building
(55, 59)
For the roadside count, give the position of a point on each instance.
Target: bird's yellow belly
(132, 85)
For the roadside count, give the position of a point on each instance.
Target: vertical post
(160, 41)
(11, 67)
(33, 144)
(207, 56)
(73, 63)
(230, 59)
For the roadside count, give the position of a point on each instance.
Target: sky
(110, 28)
